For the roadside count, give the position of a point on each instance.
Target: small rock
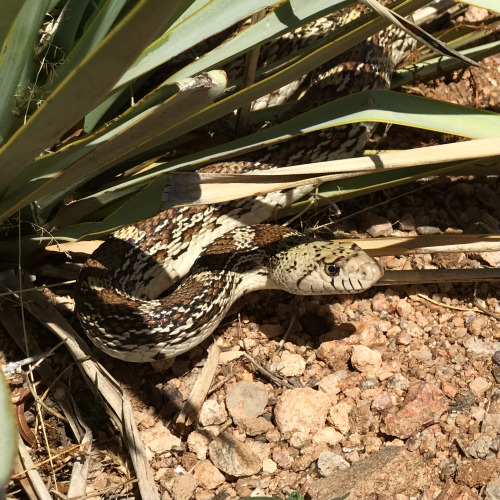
(428, 230)
(480, 448)
(291, 365)
(211, 413)
(398, 383)
(477, 472)
(339, 416)
(493, 489)
(183, 487)
(423, 405)
(269, 466)
(208, 476)
(330, 385)
(253, 426)
(272, 331)
(301, 409)
(479, 386)
(380, 303)
(479, 349)
(282, 457)
(385, 474)
(329, 461)
(365, 359)
(407, 223)
(198, 443)
(299, 439)
(232, 457)
(491, 423)
(478, 325)
(449, 389)
(403, 337)
(404, 308)
(377, 226)
(491, 258)
(328, 435)
(246, 399)
(381, 402)
(160, 440)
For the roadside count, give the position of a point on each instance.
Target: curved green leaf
(85, 86)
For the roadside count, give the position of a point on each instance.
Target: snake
(159, 287)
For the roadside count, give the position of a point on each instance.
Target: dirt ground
(389, 395)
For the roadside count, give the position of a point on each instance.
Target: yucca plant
(97, 95)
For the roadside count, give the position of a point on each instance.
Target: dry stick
(394, 278)
(79, 474)
(34, 478)
(39, 307)
(267, 373)
(200, 390)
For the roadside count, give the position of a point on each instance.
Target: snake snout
(371, 271)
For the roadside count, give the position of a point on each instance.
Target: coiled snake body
(117, 292)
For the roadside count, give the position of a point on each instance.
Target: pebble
(381, 402)
(329, 461)
(428, 230)
(328, 435)
(269, 466)
(380, 302)
(254, 426)
(183, 487)
(330, 385)
(404, 308)
(424, 404)
(480, 448)
(374, 477)
(365, 359)
(159, 439)
(301, 410)
(246, 399)
(208, 476)
(403, 337)
(339, 416)
(478, 325)
(291, 365)
(407, 223)
(476, 472)
(198, 443)
(479, 349)
(232, 457)
(492, 491)
(272, 331)
(212, 413)
(377, 226)
(479, 386)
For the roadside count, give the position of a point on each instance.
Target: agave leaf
(84, 87)
(290, 15)
(384, 106)
(17, 41)
(431, 68)
(112, 147)
(416, 32)
(371, 105)
(96, 29)
(197, 27)
(484, 4)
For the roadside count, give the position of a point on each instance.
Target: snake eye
(332, 269)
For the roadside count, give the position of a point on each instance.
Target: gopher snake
(116, 293)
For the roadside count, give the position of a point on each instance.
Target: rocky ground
(389, 395)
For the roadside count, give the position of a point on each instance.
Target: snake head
(320, 267)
